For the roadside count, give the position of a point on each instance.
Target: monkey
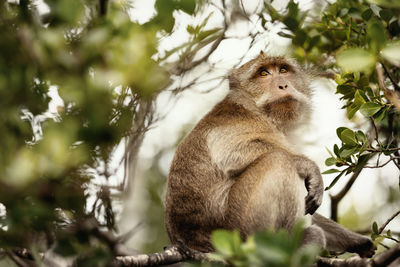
(238, 168)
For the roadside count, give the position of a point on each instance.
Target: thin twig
(387, 222)
(389, 75)
(390, 95)
(382, 165)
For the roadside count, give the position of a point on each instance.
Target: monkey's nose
(283, 87)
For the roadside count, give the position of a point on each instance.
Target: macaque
(239, 169)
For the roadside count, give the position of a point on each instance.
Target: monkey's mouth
(284, 99)
(286, 103)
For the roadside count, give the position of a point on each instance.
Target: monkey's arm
(233, 151)
(309, 171)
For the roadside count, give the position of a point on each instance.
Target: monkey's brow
(278, 63)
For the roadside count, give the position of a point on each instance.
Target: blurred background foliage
(79, 82)
(76, 80)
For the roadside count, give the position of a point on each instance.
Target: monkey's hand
(309, 171)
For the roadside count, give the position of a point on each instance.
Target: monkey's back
(196, 201)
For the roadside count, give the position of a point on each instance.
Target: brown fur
(237, 169)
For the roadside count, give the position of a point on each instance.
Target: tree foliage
(100, 63)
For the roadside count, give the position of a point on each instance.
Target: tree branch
(381, 260)
(388, 221)
(335, 199)
(395, 85)
(171, 255)
(390, 95)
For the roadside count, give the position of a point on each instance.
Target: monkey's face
(277, 86)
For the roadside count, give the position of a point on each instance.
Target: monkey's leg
(268, 194)
(339, 238)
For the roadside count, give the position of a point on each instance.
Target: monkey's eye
(263, 72)
(283, 69)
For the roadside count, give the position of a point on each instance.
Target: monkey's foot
(365, 248)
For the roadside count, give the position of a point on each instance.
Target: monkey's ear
(233, 79)
(261, 53)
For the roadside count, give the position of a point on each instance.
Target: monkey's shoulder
(226, 112)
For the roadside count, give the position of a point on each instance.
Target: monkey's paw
(313, 201)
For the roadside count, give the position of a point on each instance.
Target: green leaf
(386, 14)
(358, 99)
(204, 34)
(366, 15)
(345, 153)
(291, 23)
(361, 161)
(375, 228)
(377, 34)
(355, 106)
(336, 150)
(374, 236)
(391, 52)
(394, 27)
(236, 242)
(346, 90)
(334, 181)
(330, 153)
(380, 115)
(355, 59)
(389, 233)
(339, 131)
(187, 6)
(361, 137)
(363, 82)
(190, 29)
(386, 3)
(348, 137)
(330, 171)
(223, 242)
(369, 109)
(330, 161)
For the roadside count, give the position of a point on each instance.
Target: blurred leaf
(366, 15)
(355, 59)
(386, 3)
(376, 32)
(386, 14)
(187, 6)
(223, 242)
(375, 228)
(391, 52)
